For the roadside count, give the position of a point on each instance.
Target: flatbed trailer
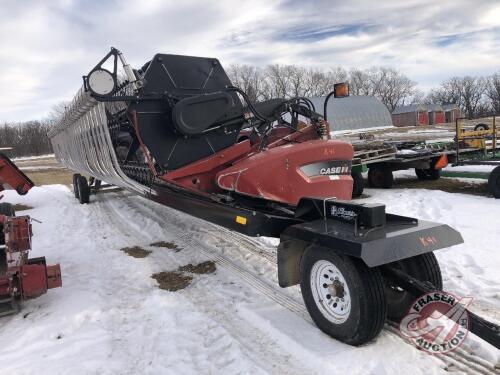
(387, 158)
(247, 169)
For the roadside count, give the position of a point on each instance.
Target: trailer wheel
(424, 267)
(76, 176)
(481, 127)
(429, 174)
(494, 182)
(380, 177)
(344, 297)
(7, 209)
(83, 190)
(358, 184)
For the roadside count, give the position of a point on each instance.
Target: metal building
(451, 112)
(410, 115)
(354, 112)
(436, 114)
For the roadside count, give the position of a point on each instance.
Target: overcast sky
(46, 46)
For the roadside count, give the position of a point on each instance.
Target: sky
(46, 46)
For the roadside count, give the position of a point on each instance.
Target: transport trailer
(21, 278)
(177, 132)
(390, 157)
(381, 158)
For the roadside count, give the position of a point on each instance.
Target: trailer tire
(7, 209)
(76, 176)
(428, 174)
(358, 184)
(83, 190)
(380, 177)
(481, 127)
(362, 289)
(423, 267)
(494, 182)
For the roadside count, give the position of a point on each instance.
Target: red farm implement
(20, 277)
(177, 132)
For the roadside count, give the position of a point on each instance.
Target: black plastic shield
(376, 246)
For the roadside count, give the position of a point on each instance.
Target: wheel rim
(330, 291)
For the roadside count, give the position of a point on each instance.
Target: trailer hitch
(488, 331)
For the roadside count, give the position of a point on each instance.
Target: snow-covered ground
(110, 317)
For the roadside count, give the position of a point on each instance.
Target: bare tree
(468, 92)
(392, 87)
(360, 82)
(26, 139)
(248, 78)
(493, 92)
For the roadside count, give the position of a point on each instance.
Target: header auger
(176, 131)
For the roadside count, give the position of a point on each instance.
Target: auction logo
(437, 322)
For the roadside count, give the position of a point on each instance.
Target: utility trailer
(177, 132)
(383, 158)
(21, 278)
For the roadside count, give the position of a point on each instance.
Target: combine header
(177, 132)
(20, 278)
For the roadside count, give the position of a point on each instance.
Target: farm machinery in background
(20, 277)
(478, 145)
(177, 132)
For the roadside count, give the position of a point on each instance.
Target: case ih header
(20, 278)
(176, 131)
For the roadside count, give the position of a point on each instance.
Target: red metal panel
(33, 280)
(275, 174)
(12, 177)
(54, 279)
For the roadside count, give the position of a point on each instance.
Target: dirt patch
(21, 207)
(168, 245)
(136, 251)
(201, 268)
(172, 281)
(51, 176)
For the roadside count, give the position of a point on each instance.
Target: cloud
(47, 46)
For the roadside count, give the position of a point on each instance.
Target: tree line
(476, 96)
(26, 139)
(283, 81)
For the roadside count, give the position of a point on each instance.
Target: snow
(471, 168)
(110, 317)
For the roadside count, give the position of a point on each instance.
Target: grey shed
(354, 112)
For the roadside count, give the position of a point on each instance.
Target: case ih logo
(334, 170)
(327, 168)
(437, 322)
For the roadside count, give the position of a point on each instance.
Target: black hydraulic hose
(249, 103)
(325, 105)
